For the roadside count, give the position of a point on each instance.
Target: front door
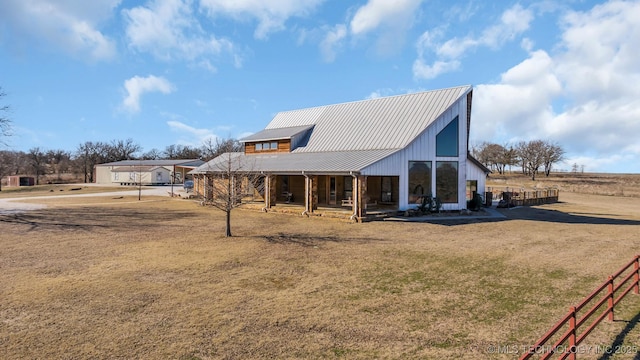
(332, 190)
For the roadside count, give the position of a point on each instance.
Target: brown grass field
(105, 278)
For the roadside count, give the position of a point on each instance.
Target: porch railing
(515, 196)
(608, 295)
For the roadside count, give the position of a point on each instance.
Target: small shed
(20, 181)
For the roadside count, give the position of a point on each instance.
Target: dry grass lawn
(119, 278)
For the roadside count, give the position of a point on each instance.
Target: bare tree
(213, 148)
(58, 161)
(531, 155)
(495, 156)
(6, 158)
(479, 151)
(182, 152)
(122, 150)
(553, 154)
(37, 161)
(89, 155)
(19, 163)
(153, 154)
(5, 122)
(508, 157)
(229, 178)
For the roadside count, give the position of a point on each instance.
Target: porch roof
(292, 163)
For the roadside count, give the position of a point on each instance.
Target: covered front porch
(356, 195)
(351, 196)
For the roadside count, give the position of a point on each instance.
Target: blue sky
(168, 72)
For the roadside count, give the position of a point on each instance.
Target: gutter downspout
(306, 195)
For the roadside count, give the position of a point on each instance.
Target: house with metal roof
(146, 172)
(386, 152)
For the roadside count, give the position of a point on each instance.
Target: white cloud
(390, 20)
(513, 22)
(271, 15)
(190, 135)
(332, 40)
(137, 86)
(169, 30)
(521, 103)
(600, 55)
(591, 80)
(71, 25)
(423, 70)
(376, 13)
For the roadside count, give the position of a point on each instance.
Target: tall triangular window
(447, 140)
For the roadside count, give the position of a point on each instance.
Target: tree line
(80, 162)
(530, 156)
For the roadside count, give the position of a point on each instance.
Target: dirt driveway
(17, 204)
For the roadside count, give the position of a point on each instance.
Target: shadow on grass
(89, 218)
(620, 338)
(308, 240)
(541, 214)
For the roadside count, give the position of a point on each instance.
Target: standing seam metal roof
(382, 123)
(330, 162)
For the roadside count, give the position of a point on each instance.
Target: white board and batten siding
(423, 148)
(474, 172)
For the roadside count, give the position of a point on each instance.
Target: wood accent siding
(284, 145)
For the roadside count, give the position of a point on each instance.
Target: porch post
(273, 190)
(314, 192)
(205, 191)
(310, 194)
(362, 196)
(267, 185)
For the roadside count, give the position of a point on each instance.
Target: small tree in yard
(229, 179)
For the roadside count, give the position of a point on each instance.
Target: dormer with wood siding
(276, 140)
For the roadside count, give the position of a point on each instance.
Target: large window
(447, 181)
(447, 140)
(419, 180)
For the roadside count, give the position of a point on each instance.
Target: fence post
(636, 276)
(572, 335)
(610, 300)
